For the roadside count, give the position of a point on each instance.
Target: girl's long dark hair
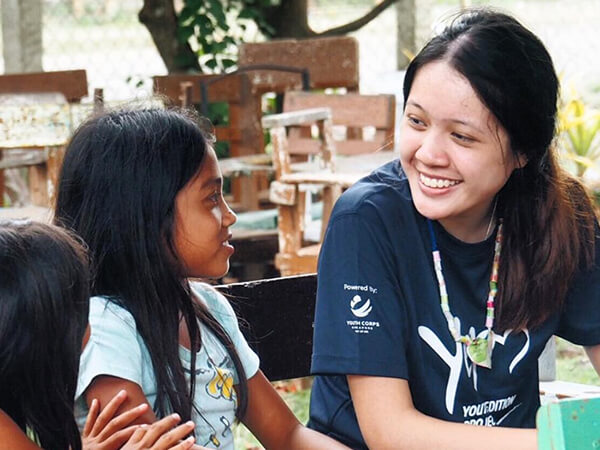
(44, 298)
(120, 176)
(549, 217)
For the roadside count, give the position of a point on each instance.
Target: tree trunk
(22, 35)
(160, 19)
(406, 32)
(290, 20)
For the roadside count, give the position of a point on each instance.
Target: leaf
(247, 13)
(228, 62)
(216, 9)
(184, 33)
(211, 63)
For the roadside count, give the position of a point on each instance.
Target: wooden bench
(276, 316)
(40, 100)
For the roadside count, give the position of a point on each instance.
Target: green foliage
(215, 28)
(579, 136)
(572, 364)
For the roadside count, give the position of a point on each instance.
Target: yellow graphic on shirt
(221, 383)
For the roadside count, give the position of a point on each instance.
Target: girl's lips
(226, 243)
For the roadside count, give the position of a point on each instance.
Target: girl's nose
(229, 217)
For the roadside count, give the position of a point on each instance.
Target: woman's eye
(462, 137)
(415, 121)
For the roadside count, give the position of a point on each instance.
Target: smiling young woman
(475, 249)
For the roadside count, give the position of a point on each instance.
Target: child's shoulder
(12, 436)
(216, 303)
(104, 308)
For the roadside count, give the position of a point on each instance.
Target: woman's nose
(432, 150)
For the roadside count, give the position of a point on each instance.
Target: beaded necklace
(479, 349)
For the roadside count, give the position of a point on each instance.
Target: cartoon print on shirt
(227, 425)
(221, 383)
(456, 361)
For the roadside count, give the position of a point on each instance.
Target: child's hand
(158, 437)
(104, 431)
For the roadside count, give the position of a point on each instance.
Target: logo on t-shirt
(360, 308)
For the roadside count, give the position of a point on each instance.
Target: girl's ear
(521, 160)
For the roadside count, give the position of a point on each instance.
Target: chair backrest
(71, 83)
(365, 123)
(276, 316)
(331, 62)
(235, 90)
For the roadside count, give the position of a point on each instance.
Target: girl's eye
(215, 197)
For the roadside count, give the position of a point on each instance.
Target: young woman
(144, 190)
(467, 255)
(43, 317)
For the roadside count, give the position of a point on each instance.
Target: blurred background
(106, 38)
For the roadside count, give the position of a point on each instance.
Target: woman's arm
(12, 437)
(593, 353)
(275, 426)
(388, 419)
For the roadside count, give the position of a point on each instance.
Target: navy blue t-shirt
(378, 313)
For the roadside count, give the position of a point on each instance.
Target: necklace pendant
(480, 349)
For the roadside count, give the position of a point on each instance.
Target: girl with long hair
(44, 297)
(142, 187)
(470, 252)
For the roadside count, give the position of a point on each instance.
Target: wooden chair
(329, 62)
(22, 96)
(332, 62)
(367, 123)
(242, 132)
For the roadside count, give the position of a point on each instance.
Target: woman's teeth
(436, 182)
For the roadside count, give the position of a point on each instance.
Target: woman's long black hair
(548, 216)
(44, 298)
(121, 173)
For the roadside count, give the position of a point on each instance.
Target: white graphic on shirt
(362, 310)
(503, 418)
(455, 361)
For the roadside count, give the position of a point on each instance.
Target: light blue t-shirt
(116, 349)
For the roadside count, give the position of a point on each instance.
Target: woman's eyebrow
(459, 121)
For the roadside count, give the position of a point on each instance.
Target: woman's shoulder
(12, 436)
(385, 187)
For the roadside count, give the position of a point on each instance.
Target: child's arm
(104, 388)
(108, 430)
(275, 426)
(388, 419)
(12, 437)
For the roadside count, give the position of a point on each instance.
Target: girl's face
(202, 221)
(455, 154)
